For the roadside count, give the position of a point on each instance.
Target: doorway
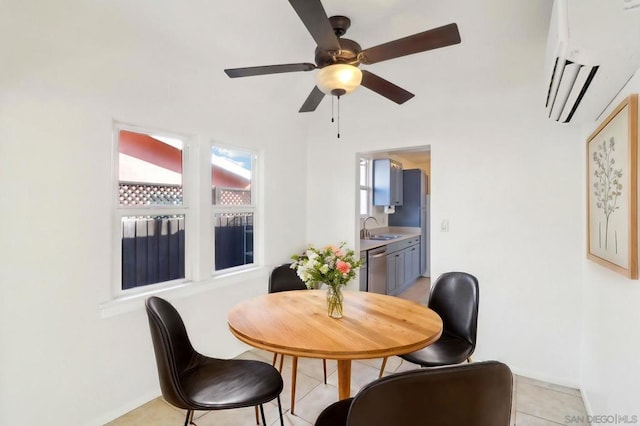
(410, 158)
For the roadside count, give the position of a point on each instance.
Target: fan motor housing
(348, 54)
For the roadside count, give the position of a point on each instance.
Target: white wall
(64, 77)
(609, 362)
(509, 182)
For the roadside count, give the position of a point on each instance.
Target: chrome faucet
(364, 233)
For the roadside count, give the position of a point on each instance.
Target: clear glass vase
(334, 301)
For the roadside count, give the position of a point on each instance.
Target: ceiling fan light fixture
(339, 79)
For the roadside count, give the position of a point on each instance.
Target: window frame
(186, 209)
(368, 186)
(253, 208)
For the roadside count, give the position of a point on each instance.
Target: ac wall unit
(593, 50)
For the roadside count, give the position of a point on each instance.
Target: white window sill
(130, 303)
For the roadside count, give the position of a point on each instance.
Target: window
(233, 207)
(151, 213)
(365, 187)
(160, 215)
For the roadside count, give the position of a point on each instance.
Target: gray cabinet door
(400, 272)
(387, 183)
(411, 264)
(415, 262)
(391, 273)
(408, 269)
(395, 271)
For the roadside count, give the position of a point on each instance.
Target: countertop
(404, 232)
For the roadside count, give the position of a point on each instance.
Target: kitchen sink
(384, 237)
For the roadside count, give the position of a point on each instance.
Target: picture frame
(612, 190)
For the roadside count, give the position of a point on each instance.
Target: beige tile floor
(535, 403)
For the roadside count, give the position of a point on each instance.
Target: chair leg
(275, 358)
(384, 364)
(264, 421)
(189, 419)
(281, 361)
(280, 412)
(257, 419)
(294, 376)
(324, 369)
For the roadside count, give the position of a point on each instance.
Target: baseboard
(149, 396)
(562, 381)
(124, 409)
(587, 403)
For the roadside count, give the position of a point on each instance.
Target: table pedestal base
(344, 378)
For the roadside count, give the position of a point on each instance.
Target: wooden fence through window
(152, 250)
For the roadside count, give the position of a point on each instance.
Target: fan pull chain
(338, 117)
(332, 109)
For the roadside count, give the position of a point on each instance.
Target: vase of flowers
(334, 301)
(334, 266)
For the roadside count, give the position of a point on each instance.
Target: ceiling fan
(337, 58)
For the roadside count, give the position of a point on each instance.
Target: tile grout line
(554, 390)
(538, 417)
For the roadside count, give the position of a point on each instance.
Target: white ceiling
(503, 47)
(503, 44)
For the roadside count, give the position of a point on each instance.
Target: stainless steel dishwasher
(377, 270)
(363, 271)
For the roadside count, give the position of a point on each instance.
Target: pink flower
(337, 251)
(343, 267)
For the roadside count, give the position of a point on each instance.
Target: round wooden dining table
(373, 326)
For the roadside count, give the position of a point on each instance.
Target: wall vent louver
(568, 85)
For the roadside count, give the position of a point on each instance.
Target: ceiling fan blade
(269, 69)
(313, 16)
(385, 88)
(435, 38)
(313, 100)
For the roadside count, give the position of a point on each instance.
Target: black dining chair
(455, 296)
(478, 394)
(192, 381)
(283, 278)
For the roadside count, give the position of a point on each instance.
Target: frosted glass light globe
(339, 77)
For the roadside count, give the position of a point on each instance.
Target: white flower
(320, 265)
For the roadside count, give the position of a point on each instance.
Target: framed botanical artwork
(612, 190)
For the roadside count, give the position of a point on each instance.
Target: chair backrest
(283, 278)
(476, 394)
(172, 348)
(455, 296)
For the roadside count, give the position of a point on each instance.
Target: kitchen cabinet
(414, 211)
(387, 182)
(412, 263)
(403, 264)
(395, 271)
